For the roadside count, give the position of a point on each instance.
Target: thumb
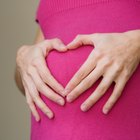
(61, 47)
(80, 40)
(58, 45)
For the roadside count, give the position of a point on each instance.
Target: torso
(65, 22)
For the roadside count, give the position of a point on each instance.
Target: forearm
(39, 37)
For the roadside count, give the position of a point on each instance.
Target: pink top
(65, 19)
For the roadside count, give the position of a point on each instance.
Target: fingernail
(60, 101)
(84, 107)
(37, 119)
(69, 98)
(105, 111)
(50, 115)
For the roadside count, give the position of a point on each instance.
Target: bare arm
(39, 37)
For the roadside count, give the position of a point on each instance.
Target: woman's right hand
(36, 77)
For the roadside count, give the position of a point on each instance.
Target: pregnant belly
(70, 123)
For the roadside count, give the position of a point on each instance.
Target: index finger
(84, 70)
(81, 39)
(47, 77)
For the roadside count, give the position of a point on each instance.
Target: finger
(80, 40)
(58, 45)
(98, 93)
(46, 110)
(43, 88)
(85, 84)
(119, 86)
(36, 98)
(84, 70)
(50, 44)
(31, 104)
(46, 75)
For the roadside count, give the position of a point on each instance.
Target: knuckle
(24, 81)
(111, 103)
(28, 102)
(21, 49)
(107, 62)
(88, 82)
(20, 53)
(35, 97)
(42, 107)
(39, 85)
(48, 81)
(118, 66)
(91, 101)
(118, 70)
(96, 53)
(117, 95)
(102, 88)
(29, 70)
(75, 93)
(31, 105)
(52, 97)
(73, 84)
(47, 77)
(80, 75)
(35, 62)
(18, 60)
(126, 74)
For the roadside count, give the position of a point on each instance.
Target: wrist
(134, 37)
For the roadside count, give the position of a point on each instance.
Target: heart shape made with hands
(67, 63)
(77, 70)
(64, 66)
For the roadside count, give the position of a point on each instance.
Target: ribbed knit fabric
(55, 6)
(65, 19)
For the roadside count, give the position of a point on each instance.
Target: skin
(39, 37)
(115, 57)
(33, 76)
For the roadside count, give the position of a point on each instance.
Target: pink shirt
(65, 19)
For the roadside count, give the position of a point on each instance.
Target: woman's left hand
(115, 57)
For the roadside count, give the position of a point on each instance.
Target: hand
(115, 57)
(36, 77)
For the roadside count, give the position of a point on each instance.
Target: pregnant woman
(92, 49)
